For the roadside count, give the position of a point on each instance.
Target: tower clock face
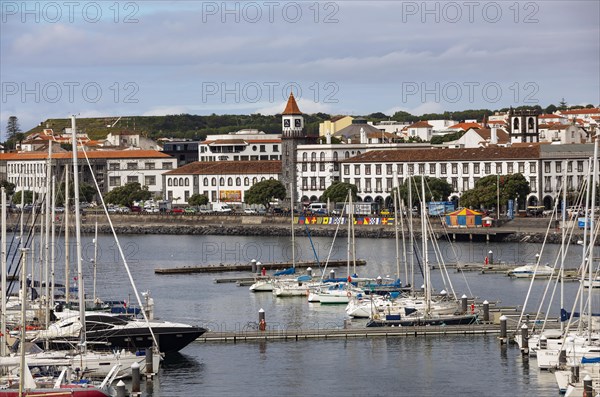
(286, 122)
(298, 123)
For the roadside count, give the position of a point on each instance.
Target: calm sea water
(433, 366)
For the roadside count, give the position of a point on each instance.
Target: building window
(580, 166)
(357, 183)
(238, 181)
(455, 184)
(322, 183)
(346, 169)
(221, 181)
(114, 166)
(432, 168)
(558, 166)
(304, 156)
(532, 167)
(388, 184)
(400, 168)
(454, 168)
(547, 167)
(533, 184)
(263, 148)
(378, 169)
(498, 168)
(465, 168)
(367, 185)
(509, 167)
(321, 166)
(313, 156)
(116, 181)
(346, 155)
(313, 167)
(569, 166)
(213, 181)
(547, 184)
(313, 183)
(304, 183)
(229, 181)
(150, 180)
(465, 186)
(246, 181)
(132, 179)
(421, 169)
(367, 169)
(521, 168)
(411, 169)
(187, 181)
(186, 195)
(443, 168)
(378, 187)
(322, 156)
(487, 168)
(389, 169)
(304, 167)
(149, 166)
(167, 166)
(275, 148)
(132, 166)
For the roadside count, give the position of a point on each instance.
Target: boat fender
(348, 294)
(376, 317)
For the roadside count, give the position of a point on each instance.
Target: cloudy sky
(96, 58)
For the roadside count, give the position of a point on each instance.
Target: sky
(110, 58)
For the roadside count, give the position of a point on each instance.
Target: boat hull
(396, 321)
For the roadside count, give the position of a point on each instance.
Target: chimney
(328, 138)
(494, 135)
(363, 135)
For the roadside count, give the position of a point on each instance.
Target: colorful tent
(464, 218)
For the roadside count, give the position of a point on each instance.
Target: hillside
(179, 126)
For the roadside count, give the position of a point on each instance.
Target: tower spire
(291, 108)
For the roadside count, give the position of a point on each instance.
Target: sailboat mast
(410, 233)
(3, 286)
(23, 318)
(292, 220)
(78, 235)
(563, 249)
(593, 234)
(396, 234)
(95, 256)
(425, 253)
(53, 241)
(67, 244)
(348, 249)
(47, 234)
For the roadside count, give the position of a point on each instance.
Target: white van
(317, 208)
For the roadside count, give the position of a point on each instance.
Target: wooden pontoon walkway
(350, 332)
(238, 267)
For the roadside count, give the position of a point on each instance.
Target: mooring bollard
(149, 369)
(524, 339)
(332, 274)
(253, 264)
(463, 303)
(486, 311)
(503, 329)
(135, 378)
(587, 386)
(121, 389)
(491, 257)
(262, 323)
(309, 271)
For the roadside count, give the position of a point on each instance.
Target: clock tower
(292, 126)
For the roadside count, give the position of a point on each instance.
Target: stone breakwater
(315, 231)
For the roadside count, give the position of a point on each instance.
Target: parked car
(177, 211)
(204, 210)
(136, 208)
(249, 211)
(385, 212)
(190, 210)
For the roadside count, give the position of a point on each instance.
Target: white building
(130, 139)
(373, 172)
(563, 133)
(420, 129)
(440, 125)
(243, 145)
(389, 126)
(219, 181)
(110, 168)
(481, 137)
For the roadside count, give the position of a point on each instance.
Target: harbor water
(424, 366)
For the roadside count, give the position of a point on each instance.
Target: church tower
(523, 126)
(292, 126)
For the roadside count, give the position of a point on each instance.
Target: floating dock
(238, 267)
(350, 332)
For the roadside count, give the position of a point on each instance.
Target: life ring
(348, 294)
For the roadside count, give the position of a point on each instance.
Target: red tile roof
(292, 107)
(229, 168)
(464, 126)
(420, 124)
(581, 111)
(415, 155)
(109, 154)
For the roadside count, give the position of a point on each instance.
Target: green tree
(485, 192)
(87, 193)
(550, 109)
(404, 117)
(13, 132)
(126, 195)
(265, 191)
(8, 186)
(338, 192)
(198, 199)
(436, 189)
(28, 197)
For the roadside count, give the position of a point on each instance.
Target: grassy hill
(179, 126)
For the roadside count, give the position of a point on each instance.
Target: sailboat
(442, 312)
(108, 331)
